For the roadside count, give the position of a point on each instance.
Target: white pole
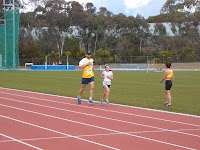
(46, 63)
(67, 63)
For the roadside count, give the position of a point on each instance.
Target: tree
(124, 48)
(30, 51)
(165, 55)
(176, 5)
(187, 54)
(160, 29)
(100, 25)
(56, 20)
(75, 51)
(103, 56)
(69, 27)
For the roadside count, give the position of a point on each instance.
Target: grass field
(128, 87)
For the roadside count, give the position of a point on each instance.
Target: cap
(106, 65)
(88, 52)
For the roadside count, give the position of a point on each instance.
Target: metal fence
(115, 60)
(158, 59)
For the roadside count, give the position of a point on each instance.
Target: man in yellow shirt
(88, 76)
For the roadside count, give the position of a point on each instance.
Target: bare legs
(168, 96)
(83, 88)
(105, 94)
(91, 89)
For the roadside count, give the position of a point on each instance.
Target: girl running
(107, 75)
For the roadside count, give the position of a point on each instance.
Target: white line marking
(187, 129)
(90, 135)
(81, 113)
(113, 111)
(94, 135)
(64, 134)
(133, 107)
(98, 127)
(16, 140)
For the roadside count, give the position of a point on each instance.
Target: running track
(38, 121)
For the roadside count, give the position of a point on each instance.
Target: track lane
(136, 136)
(61, 103)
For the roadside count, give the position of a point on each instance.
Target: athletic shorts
(168, 84)
(107, 85)
(87, 80)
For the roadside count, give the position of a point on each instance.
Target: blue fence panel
(53, 67)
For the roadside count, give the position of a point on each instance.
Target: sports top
(170, 75)
(87, 70)
(106, 80)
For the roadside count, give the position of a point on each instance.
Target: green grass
(128, 87)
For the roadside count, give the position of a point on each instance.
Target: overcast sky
(129, 7)
(145, 8)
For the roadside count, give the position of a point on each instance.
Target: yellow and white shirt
(87, 70)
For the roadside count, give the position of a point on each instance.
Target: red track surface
(38, 121)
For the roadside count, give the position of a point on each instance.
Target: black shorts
(107, 85)
(168, 84)
(87, 80)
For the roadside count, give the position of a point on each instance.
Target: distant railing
(115, 60)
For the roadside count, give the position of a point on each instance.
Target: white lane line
(95, 135)
(90, 135)
(187, 129)
(16, 140)
(81, 113)
(46, 115)
(58, 132)
(113, 111)
(127, 106)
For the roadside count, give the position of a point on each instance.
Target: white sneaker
(101, 101)
(107, 101)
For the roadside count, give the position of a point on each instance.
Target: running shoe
(101, 101)
(90, 102)
(79, 100)
(107, 101)
(166, 103)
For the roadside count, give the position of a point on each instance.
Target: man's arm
(82, 65)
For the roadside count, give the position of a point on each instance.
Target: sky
(145, 8)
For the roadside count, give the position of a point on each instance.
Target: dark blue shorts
(87, 80)
(168, 84)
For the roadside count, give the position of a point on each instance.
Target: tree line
(59, 28)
